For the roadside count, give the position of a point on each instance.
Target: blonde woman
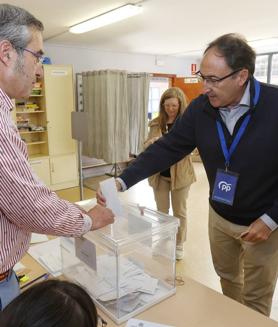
(175, 181)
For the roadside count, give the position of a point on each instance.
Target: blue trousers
(9, 289)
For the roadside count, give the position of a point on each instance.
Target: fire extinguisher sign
(193, 69)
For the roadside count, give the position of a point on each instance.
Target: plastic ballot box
(128, 266)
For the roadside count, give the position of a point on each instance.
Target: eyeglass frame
(103, 323)
(39, 57)
(214, 79)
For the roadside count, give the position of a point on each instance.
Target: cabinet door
(59, 100)
(63, 170)
(40, 167)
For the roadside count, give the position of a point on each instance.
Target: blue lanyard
(228, 153)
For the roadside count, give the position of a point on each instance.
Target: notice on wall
(59, 72)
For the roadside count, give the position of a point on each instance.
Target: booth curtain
(138, 99)
(115, 104)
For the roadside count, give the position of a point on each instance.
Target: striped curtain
(116, 107)
(138, 85)
(105, 102)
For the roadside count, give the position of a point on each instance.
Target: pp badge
(225, 187)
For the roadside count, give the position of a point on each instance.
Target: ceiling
(166, 27)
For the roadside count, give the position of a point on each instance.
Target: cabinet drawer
(63, 169)
(40, 167)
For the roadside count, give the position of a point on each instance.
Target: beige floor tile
(73, 194)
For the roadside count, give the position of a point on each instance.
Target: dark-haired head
(237, 52)
(51, 303)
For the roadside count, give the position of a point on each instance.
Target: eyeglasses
(101, 321)
(213, 80)
(39, 57)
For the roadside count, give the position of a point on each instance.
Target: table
(194, 305)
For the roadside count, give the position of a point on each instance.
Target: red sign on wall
(193, 69)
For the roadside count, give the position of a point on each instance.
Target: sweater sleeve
(166, 151)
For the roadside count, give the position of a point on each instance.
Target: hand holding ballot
(101, 216)
(107, 195)
(101, 198)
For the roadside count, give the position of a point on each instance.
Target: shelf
(38, 156)
(35, 143)
(29, 112)
(31, 132)
(35, 95)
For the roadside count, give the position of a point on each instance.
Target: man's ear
(243, 76)
(5, 51)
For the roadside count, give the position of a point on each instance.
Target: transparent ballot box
(128, 266)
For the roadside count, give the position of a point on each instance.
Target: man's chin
(214, 102)
(25, 94)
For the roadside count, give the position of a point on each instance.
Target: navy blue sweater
(255, 158)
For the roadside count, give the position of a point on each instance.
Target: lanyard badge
(226, 181)
(225, 186)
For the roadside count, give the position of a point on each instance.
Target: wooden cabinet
(44, 123)
(30, 116)
(59, 99)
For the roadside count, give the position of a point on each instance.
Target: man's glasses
(39, 57)
(213, 80)
(101, 321)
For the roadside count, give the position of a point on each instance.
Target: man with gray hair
(233, 124)
(26, 205)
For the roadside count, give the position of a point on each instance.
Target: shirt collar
(5, 101)
(244, 101)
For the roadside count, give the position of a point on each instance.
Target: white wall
(84, 59)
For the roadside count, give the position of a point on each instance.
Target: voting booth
(128, 266)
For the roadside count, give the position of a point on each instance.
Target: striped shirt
(26, 204)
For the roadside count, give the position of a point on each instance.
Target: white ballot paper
(109, 190)
(38, 238)
(143, 323)
(48, 254)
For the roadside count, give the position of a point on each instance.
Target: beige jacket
(182, 173)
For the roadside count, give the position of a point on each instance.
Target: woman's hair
(172, 92)
(51, 303)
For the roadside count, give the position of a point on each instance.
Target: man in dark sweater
(234, 125)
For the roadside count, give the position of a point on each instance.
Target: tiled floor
(197, 262)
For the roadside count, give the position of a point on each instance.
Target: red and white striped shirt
(26, 204)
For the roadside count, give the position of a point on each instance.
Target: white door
(59, 97)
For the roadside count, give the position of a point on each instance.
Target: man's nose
(206, 87)
(39, 71)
